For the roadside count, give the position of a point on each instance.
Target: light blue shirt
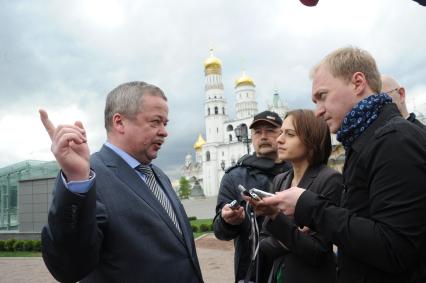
(82, 187)
(133, 163)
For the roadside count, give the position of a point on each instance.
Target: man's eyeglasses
(392, 90)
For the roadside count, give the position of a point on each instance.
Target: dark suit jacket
(412, 118)
(118, 231)
(381, 228)
(309, 257)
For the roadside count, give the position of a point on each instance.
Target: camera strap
(254, 242)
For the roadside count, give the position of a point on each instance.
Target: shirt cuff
(79, 187)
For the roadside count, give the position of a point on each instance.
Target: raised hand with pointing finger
(96, 225)
(69, 146)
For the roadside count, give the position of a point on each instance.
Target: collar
(132, 162)
(389, 111)
(360, 118)
(411, 117)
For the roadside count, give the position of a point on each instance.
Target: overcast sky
(65, 56)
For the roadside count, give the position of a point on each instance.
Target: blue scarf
(362, 115)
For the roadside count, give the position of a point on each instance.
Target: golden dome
(212, 61)
(244, 80)
(199, 143)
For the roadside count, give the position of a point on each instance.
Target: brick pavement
(216, 260)
(24, 269)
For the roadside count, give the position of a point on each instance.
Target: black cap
(269, 117)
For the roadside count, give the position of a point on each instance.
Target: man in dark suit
(380, 228)
(397, 92)
(116, 217)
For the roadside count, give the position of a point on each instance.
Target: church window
(208, 111)
(223, 110)
(229, 128)
(244, 126)
(230, 137)
(216, 110)
(208, 156)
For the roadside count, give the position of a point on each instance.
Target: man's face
(396, 94)
(333, 97)
(264, 138)
(145, 134)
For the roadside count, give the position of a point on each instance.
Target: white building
(221, 148)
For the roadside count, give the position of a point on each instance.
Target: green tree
(184, 188)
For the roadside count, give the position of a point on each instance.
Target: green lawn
(198, 222)
(20, 254)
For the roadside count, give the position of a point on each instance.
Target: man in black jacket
(380, 228)
(251, 171)
(397, 92)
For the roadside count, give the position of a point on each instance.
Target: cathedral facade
(221, 147)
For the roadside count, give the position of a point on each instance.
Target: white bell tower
(246, 105)
(215, 115)
(215, 112)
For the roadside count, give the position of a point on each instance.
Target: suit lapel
(180, 213)
(287, 181)
(308, 177)
(129, 176)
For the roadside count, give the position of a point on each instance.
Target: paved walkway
(216, 257)
(216, 261)
(201, 208)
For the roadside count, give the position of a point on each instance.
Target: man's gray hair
(126, 99)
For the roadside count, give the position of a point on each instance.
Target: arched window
(245, 129)
(229, 128)
(208, 156)
(208, 111)
(230, 137)
(216, 110)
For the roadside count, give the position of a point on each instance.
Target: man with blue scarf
(380, 228)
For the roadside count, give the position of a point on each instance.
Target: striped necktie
(159, 193)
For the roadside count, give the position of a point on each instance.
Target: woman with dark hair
(300, 254)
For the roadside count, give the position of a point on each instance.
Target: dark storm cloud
(66, 57)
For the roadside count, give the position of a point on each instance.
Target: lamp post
(241, 133)
(222, 165)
